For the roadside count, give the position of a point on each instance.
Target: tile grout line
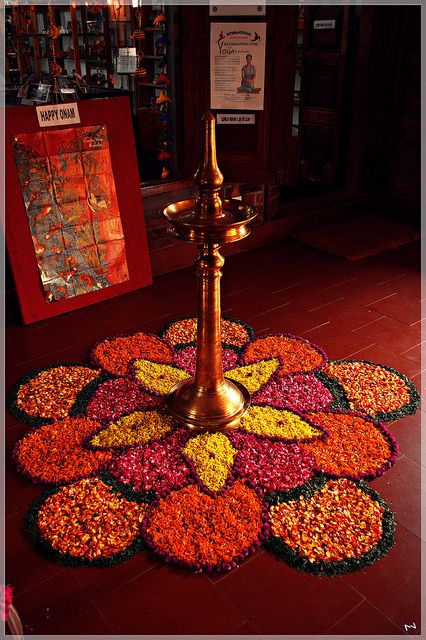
(380, 299)
(321, 306)
(346, 614)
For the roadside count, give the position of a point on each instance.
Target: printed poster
(237, 65)
(71, 203)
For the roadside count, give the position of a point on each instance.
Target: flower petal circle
(87, 522)
(296, 354)
(183, 331)
(374, 389)
(357, 446)
(55, 453)
(115, 354)
(330, 526)
(50, 392)
(197, 530)
(271, 466)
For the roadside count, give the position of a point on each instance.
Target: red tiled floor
(277, 599)
(365, 619)
(273, 289)
(393, 584)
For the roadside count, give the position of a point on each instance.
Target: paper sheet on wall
(237, 65)
(71, 203)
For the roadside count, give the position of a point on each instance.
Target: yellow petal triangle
(138, 427)
(212, 456)
(266, 421)
(253, 376)
(158, 378)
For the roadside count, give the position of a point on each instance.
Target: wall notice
(237, 65)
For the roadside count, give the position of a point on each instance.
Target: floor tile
(400, 488)
(246, 629)
(59, 606)
(336, 342)
(166, 600)
(385, 355)
(399, 306)
(386, 331)
(407, 432)
(364, 620)
(277, 599)
(393, 583)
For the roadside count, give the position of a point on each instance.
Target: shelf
(152, 57)
(152, 84)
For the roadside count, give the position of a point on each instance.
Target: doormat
(359, 238)
(124, 477)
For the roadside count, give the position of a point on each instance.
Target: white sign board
(236, 118)
(58, 114)
(324, 24)
(127, 60)
(237, 65)
(237, 9)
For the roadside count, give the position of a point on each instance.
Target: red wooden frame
(115, 114)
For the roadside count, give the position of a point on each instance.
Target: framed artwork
(75, 229)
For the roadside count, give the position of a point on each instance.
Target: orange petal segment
(196, 529)
(51, 393)
(371, 388)
(253, 376)
(88, 520)
(157, 378)
(185, 331)
(339, 522)
(296, 354)
(137, 428)
(55, 453)
(279, 423)
(115, 355)
(356, 447)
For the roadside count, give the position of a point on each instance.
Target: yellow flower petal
(158, 378)
(266, 421)
(138, 427)
(212, 456)
(253, 376)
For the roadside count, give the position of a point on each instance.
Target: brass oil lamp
(208, 401)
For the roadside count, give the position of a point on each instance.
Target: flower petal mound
(114, 398)
(185, 359)
(138, 427)
(374, 389)
(157, 378)
(51, 392)
(87, 523)
(115, 354)
(212, 457)
(357, 446)
(55, 453)
(301, 391)
(271, 466)
(157, 467)
(296, 354)
(279, 423)
(201, 531)
(330, 526)
(253, 376)
(184, 331)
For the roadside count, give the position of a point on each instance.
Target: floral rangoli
(125, 477)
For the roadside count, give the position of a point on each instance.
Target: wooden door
(322, 89)
(246, 153)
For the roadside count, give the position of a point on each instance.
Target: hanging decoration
(138, 36)
(163, 100)
(54, 68)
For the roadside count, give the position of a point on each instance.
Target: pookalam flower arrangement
(124, 476)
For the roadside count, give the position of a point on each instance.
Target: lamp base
(203, 409)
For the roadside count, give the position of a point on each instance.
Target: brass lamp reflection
(209, 401)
